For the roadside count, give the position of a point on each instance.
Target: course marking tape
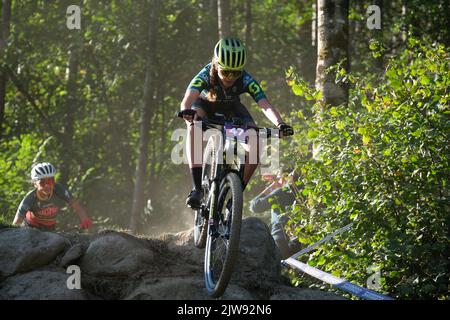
(342, 284)
(325, 239)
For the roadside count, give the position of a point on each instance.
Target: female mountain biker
(40, 206)
(216, 89)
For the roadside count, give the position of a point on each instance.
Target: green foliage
(383, 159)
(113, 48)
(383, 163)
(18, 155)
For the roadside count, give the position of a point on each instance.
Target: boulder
(117, 255)
(116, 265)
(290, 293)
(39, 285)
(72, 255)
(258, 265)
(25, 249)
(182, 244)
(182, 289)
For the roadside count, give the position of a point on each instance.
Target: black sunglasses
(230, 73)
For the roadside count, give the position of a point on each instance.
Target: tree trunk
(404, 16)
(378, 35)
(4, 34)
(212, 22)
(71, 106)
(145, 118)
(223, 17)
(163, 133)
(307, 55)
(314, 24)
(332, 46)
(248, 25)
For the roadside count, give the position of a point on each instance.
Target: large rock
(258, 266)
(25, 249)
(182, 244)
(72, 255)
(182, 289)
(290, 293)
(39, 285)
(115, 255)
(116, 265)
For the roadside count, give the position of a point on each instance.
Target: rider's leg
(250, 166)
(194, 147)
(249, 169)
(252, 157)
(278, 222)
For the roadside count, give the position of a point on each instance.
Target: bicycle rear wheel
(224, 227)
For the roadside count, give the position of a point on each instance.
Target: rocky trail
(116, 265)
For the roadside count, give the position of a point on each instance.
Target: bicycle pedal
(194, 207)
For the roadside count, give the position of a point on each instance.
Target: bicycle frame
(217, 223)
(231, 144)
(225, 202)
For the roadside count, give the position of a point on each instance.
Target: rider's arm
(262, 202)
(255, 90)
(64, 194)
(274, 185)
(24, 206)
(189, 97)
(75, 205)
(85, 222)
(18, 219)
(280, 196)
(270, 112)
(195, 87)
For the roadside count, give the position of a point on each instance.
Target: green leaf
(354, 216)
(318, 95)
(339, 125)
(424, 80)
(366, 139)
(312, 134)
(362, 131)
(298, 91)
(321, 261)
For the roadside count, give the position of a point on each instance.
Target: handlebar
(234, 122)
(188, 112)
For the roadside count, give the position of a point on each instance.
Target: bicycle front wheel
(208, 174)
(224, 228)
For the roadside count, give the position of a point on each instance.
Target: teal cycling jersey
(245, 83)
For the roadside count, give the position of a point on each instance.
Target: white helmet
(42, 170)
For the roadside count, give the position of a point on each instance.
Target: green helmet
(230, 54)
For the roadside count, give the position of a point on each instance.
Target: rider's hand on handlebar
(86, 223)
(187, 114)
(285, 129)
